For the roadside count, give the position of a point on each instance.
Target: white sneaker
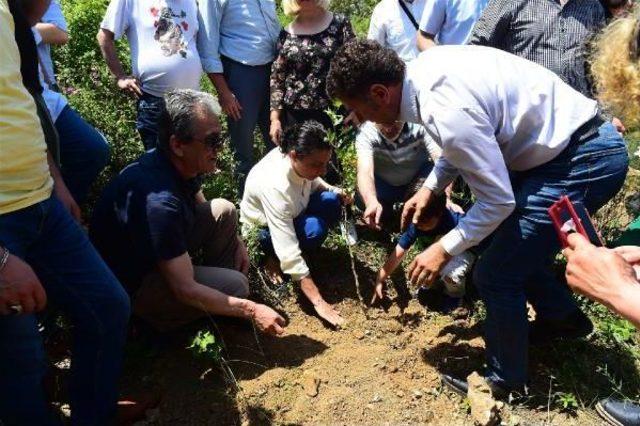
(454, 273)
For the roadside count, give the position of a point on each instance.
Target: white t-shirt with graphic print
(162, 38)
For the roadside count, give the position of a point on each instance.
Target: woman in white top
(286, 197)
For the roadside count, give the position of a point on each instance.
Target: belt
(587, 130)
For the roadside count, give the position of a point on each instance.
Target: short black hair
(359, 64)
(304, 138)
(436, 208)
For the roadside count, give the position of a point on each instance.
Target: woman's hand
(322, 308)
(275, 131)
(345, 198)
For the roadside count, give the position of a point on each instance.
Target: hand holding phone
(568, 217)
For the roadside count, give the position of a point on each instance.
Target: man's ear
(175, 146)
(379, 93)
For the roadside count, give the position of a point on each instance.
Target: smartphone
(568, 217)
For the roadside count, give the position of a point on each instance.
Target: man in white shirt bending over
(448, 21)
(394, 24)
(521, 138)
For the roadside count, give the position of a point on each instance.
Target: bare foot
(273, 271)
(328, 313)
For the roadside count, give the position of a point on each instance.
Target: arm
(425, 41)
(473, 150)
(178, 273)
(433, 18)
(61, 190)
(208, 41)
(51, 34)
(390, 265)
(603, 275)
(126, 83)
(367, 189)
(277, 89)
(52, 26)
(493, 25)
(287, 249)
(19, 285)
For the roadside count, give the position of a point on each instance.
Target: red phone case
(556, 210)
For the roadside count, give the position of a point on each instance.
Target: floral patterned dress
(299, 73)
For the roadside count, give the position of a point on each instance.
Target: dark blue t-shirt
(144, 216)
(448, 221)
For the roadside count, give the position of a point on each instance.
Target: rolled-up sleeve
(473, 150)
(433, 16)
(283, 235)
(116, 18)
(54, 16)
(210, 17)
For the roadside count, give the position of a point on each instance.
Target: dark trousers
(250, 85)
(84, 152)
(77, 281)
(149, 109)
(517, 263)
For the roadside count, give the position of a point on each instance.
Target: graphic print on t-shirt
(168, 32)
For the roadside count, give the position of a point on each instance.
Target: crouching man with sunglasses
(152, 220)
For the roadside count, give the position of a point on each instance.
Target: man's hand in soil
(268, 320)
(414, 207)
(424, 269)
(19, 286)
(372, 214)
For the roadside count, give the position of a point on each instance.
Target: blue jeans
(250, 85)
(520, 255)
(84, 152)
(79, 283)
(312, 226)
(149, 110)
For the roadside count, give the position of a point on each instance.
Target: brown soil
(381, 368)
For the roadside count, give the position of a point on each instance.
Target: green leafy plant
(567, 401)
(204, 344)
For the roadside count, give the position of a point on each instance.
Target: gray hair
(179, 112)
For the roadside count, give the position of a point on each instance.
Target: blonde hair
(616, 68)
(291, 7)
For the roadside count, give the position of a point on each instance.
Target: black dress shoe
(619, 413)
(574, 326)
(461, 387)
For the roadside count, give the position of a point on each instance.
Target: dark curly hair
(359, 64)
(304, 138)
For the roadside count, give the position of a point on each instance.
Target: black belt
(587, 130)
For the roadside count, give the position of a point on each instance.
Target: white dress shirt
(274, 195)
(392, 28)
(491, 112)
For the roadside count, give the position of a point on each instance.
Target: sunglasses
(213, 141)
